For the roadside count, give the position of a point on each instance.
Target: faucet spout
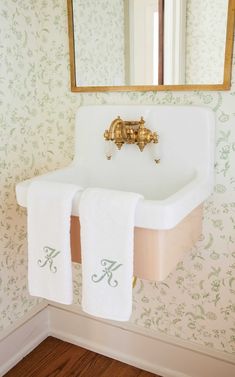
(117, 132)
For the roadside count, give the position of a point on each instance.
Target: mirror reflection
(140, 42)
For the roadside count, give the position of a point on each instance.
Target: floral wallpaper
(101, 20)
(205, 41)
(18, 91)
(197, 300)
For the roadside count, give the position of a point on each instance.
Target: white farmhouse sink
(172, 189)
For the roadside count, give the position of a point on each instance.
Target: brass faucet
(130, 132)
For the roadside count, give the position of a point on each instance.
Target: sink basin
(173, 190)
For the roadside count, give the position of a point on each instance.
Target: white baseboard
(143, 348)
(139, 347)
(17, 342)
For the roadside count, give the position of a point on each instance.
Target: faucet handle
(109, 149)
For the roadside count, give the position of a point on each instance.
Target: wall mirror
(129, 45)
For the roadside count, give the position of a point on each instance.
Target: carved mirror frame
(226, 85)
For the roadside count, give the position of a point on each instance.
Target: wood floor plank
(36, 363)
(97, 367)
(55, 358)
(67, 364)
(119, 369)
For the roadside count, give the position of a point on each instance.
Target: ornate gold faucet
(130, 132)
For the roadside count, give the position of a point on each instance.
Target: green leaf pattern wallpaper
(197, 301)
(205, 41)
(101, 63)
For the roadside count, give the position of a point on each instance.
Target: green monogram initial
(49, 258)
(109, 267)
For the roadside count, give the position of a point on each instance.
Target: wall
(205, 36)
(196, 302)
(30, 144)
(104, 20)
(18, 134)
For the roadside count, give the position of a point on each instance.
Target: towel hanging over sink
(49, 255)
(107, 241)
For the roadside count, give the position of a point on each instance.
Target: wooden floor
(54, 358)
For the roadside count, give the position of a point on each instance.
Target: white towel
(49, 257)
(107, 241)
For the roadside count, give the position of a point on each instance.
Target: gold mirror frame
(226, 85)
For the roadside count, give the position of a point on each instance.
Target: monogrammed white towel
(49, 257)
(107, 240)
